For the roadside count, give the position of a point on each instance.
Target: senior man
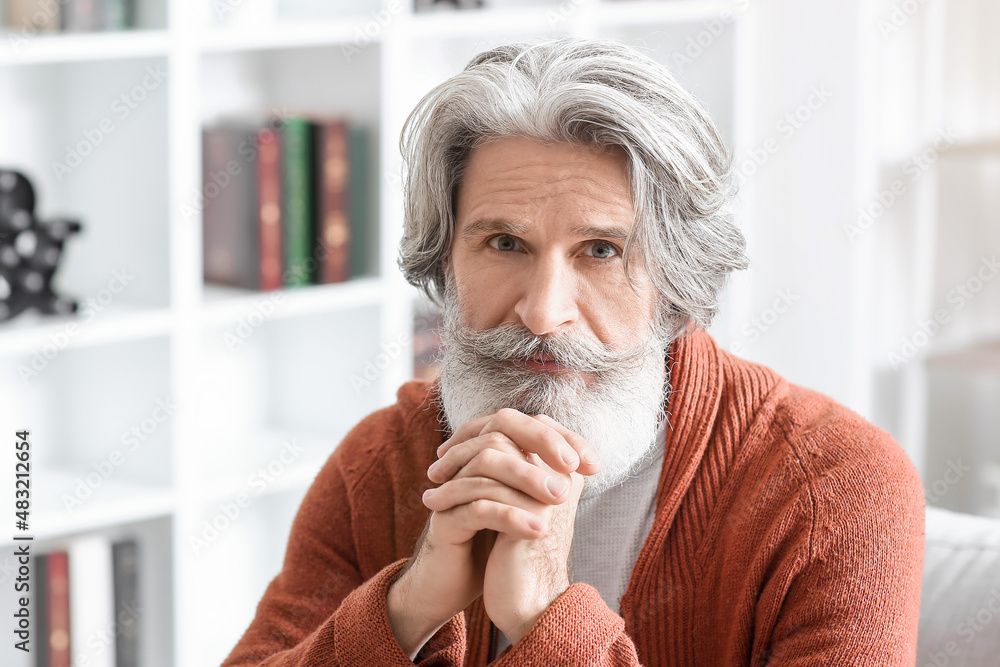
(591, 480)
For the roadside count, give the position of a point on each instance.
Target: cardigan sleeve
(853, 590)
(577, 629)
(320, 610)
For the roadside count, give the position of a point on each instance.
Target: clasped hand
(501, 526)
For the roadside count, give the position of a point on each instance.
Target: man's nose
(548, 298)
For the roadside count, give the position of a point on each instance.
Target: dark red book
(58, 608)
(332, 222)
(269, 208)
(230, 242)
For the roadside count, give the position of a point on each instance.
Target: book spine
(91, 601)
(125, 559)
(82, 16)
(358, 202)
(118, 14)
(334, 231)
(297, 193)
(40, 598)
(58, 573)
(230, 245)
(25, 15)
(269, 208)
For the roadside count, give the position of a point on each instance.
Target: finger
(467, 489)
(460, 524)
(539, 438)
(461, 453)
(591, 462)
(465, 431)
(536, 480)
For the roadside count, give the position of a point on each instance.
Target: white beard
(618, 413)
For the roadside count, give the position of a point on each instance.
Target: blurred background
(200, 206)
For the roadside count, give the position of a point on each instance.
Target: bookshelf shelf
(646, 12)
(224, 305)
(280, 36)
(16, 50)
(32, 332)
(483, 22)
(274, 467)
(114, 502)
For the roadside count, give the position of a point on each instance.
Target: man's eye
(504, 243)
(603, 250)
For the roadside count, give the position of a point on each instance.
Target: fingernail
(442, 446)
(554, 485)
(569, 456)
(535, 523)
(589, 458)
(434, 466)
(428, 493)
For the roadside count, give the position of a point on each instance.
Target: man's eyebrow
(616, 232)
(491, 225)
(504, 226)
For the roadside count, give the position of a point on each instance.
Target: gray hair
(595, 92)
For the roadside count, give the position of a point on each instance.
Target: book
(125, 558)
(363, 238)
(91, 602)
(333, 231)
(58, 609)
(40, 612)
(298, 185)
(269, 215)
(119, 14)
(82, 16)
(25, 16)
(230, 242)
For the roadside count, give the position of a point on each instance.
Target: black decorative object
(30, 250)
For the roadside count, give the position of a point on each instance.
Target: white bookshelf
(164, 338)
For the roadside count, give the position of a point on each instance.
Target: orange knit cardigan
(789, 531)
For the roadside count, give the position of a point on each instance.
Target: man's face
(538, 243)
(538, 314)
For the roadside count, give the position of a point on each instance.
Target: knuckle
(507, 413)
(496, 439)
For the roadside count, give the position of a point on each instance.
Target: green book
(297, 174)
(359, 215)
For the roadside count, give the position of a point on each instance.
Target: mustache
(509, 342)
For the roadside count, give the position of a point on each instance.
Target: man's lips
(539, 362)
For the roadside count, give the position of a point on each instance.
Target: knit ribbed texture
(788, 531)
